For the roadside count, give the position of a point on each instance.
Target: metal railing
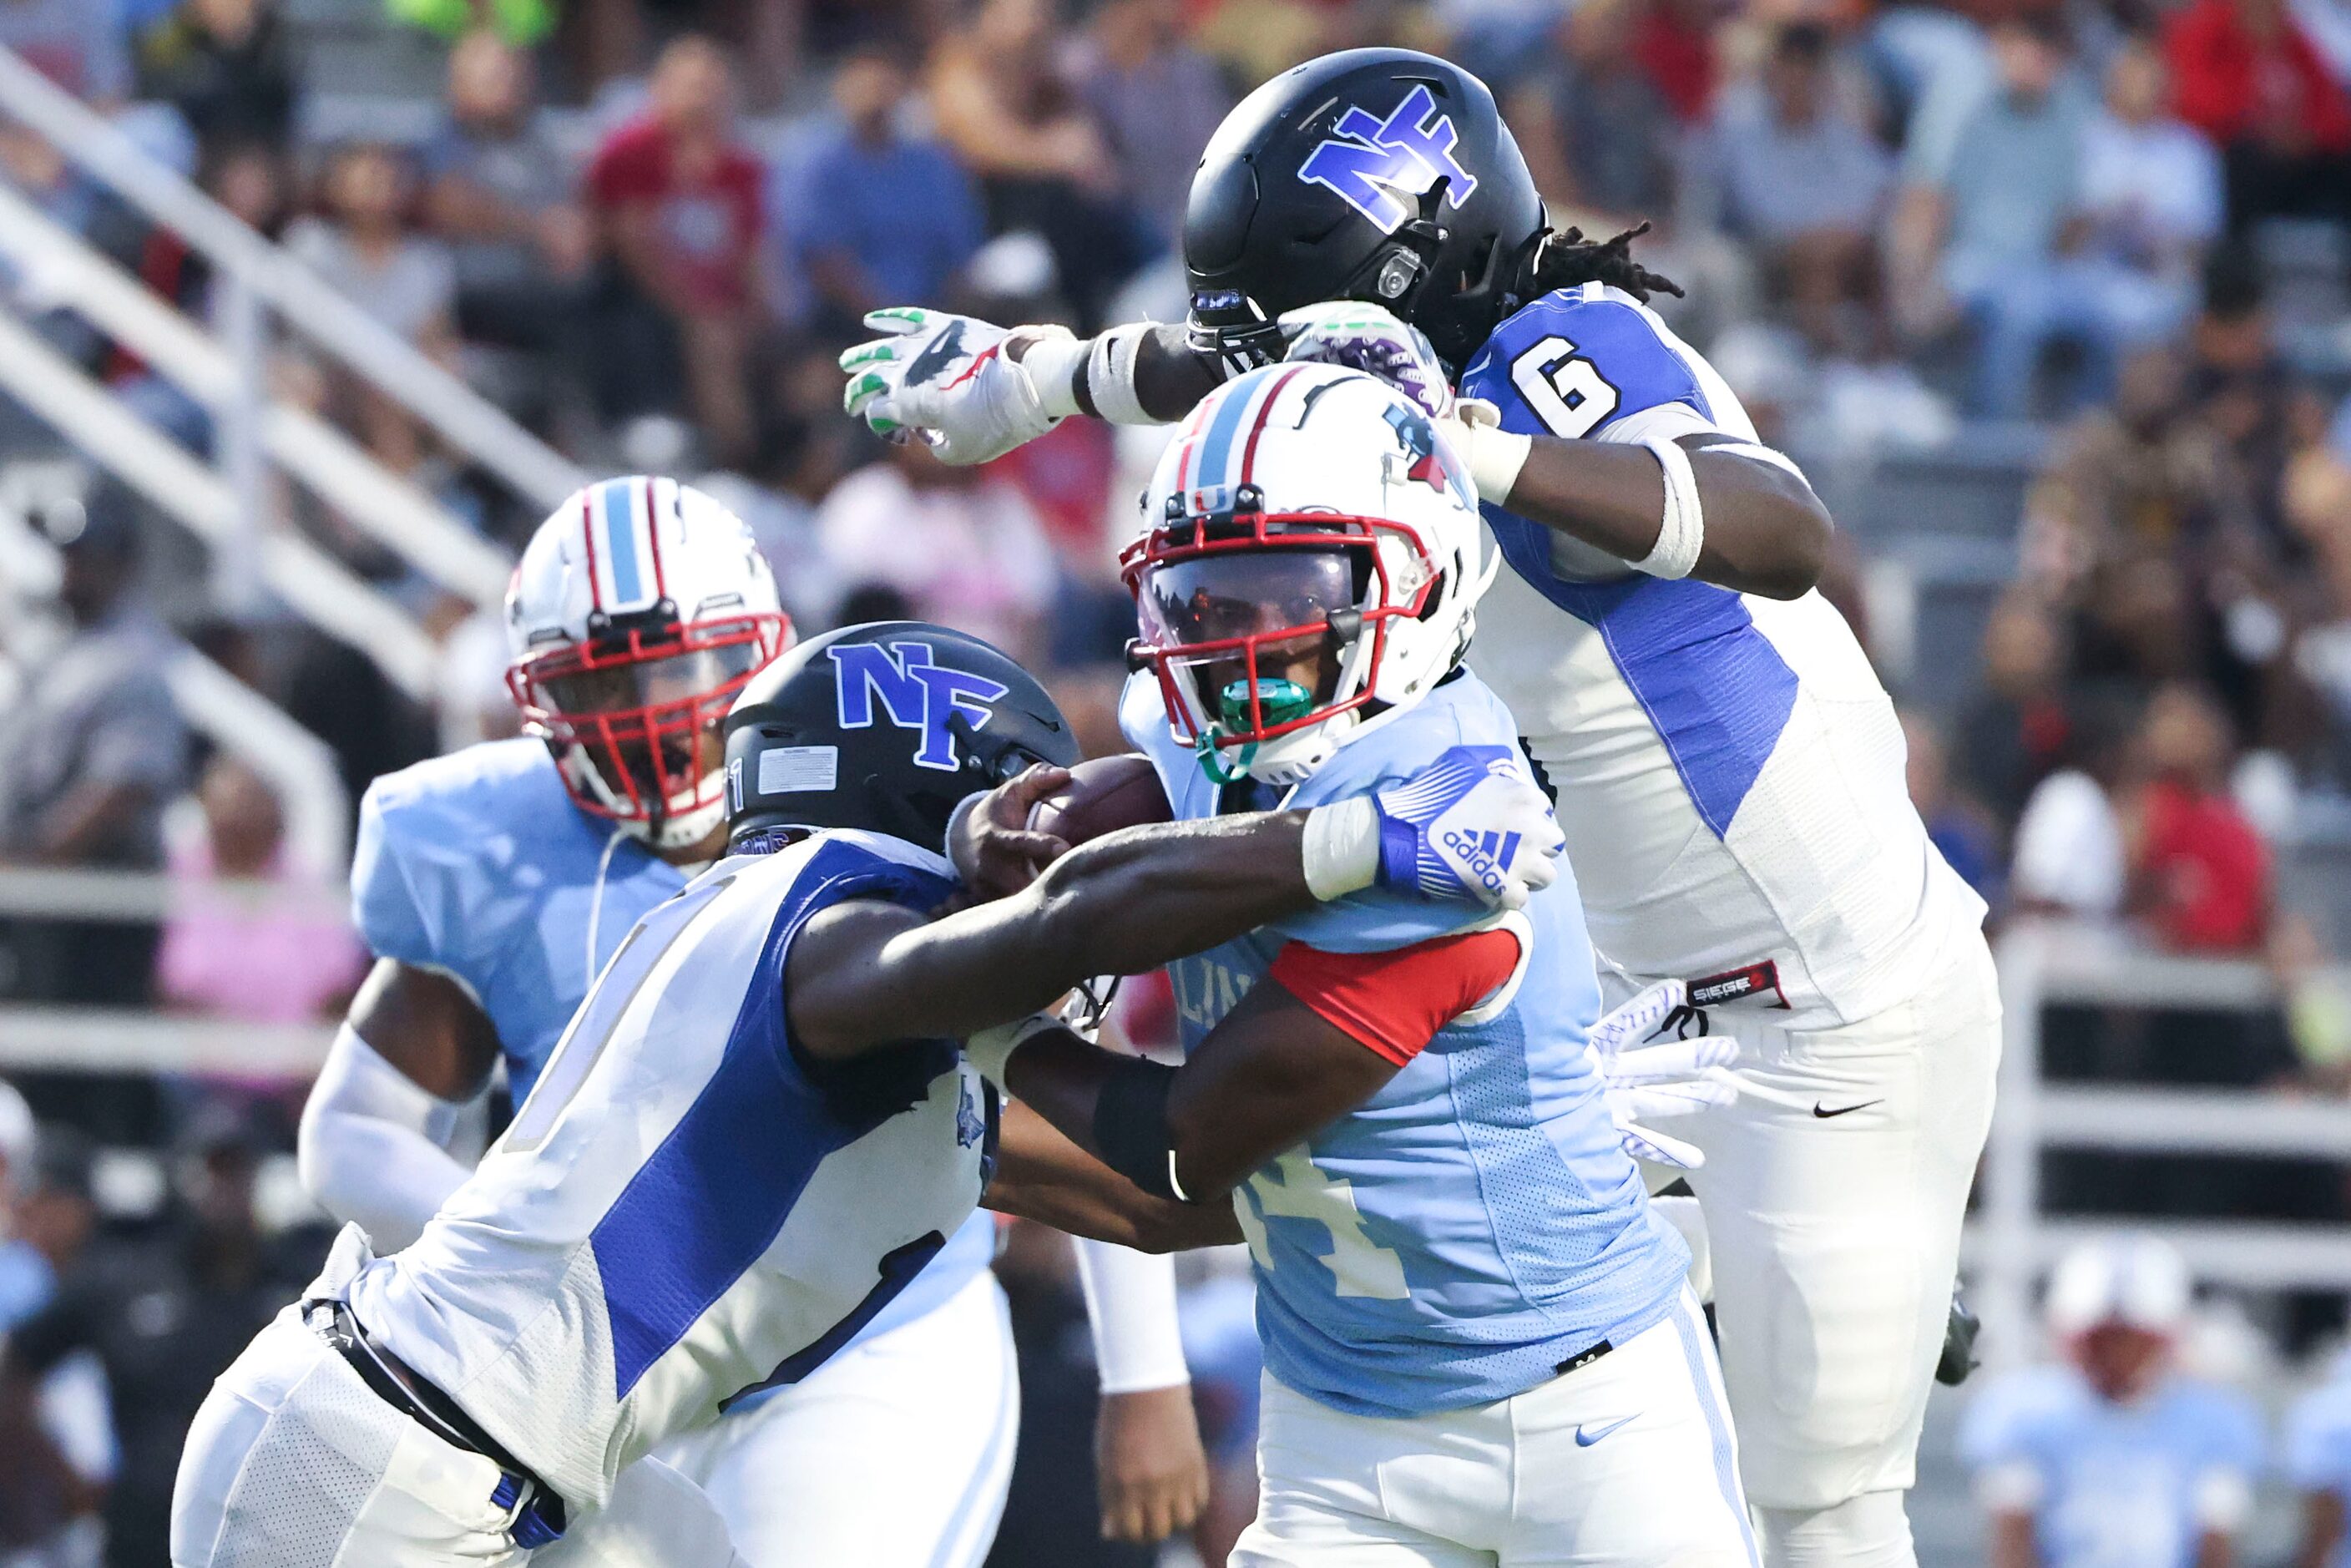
(2014, 1238)
(249, 262)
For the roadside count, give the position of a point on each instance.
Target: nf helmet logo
(1373, 164)
(916, 693)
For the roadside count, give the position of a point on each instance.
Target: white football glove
(945, 381)
(1470, 825)
(1369, 337)
(1652, 1069)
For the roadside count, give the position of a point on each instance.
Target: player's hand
(1656, 1061)
(1153, 1472)
(988, 839)
(945, 381)
(1469, 826)
(1369, 337)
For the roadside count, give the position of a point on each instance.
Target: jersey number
(592, 1030)
(1303, 1190)
(1564, 389)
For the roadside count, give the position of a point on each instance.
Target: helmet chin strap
(1278, 702)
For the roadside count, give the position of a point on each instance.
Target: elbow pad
(1131, 1126)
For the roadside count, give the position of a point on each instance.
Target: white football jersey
(684, 1209)
(1729, 768)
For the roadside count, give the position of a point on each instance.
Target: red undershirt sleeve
(1395, 1001)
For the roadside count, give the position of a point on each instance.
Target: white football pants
(1832, 1214)
(897, 1454)
(294, 1462)
(1628, 1462)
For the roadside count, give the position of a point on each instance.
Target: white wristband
(1681, 533)
(1109, 374)
(1341, 849)
(1495, 455)
(1131, 1305)
(1052, 362)
(990, 1049)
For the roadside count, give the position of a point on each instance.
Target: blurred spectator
(91, 750)
(2069, 856)
(1961, 828)
(501, 193)
(2114, 1456)
(224, 65)
(286, 960)
(2150, 200)
(893, 217)
(163, 1318)
(1988, 226)
(2014, 732)
(56, 1441)
(1673, 41)
(2142, 474)
(1159, 100)
(367, 247)
(676, 197)
(2199, 870)
(518, 23)
(2244, 390)
(1804, 181)
(2249, 76)
(959, 543)
(2318, 1461)
(75, 43)
(1016, 119)
(1597, 134)
(2315, 699)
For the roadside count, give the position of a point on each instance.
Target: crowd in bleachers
(2113, 237)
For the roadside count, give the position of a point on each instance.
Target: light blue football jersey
(1474, 1225)
(2318, 1442)
(479, 866)
(2115, 1486)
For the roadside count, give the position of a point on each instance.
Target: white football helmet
(640, 608)
(1310, 562)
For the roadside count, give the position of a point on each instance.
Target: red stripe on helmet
(588, 532)
(1264, 415)
(653, 532)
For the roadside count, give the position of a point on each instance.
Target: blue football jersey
(478, 866)
(2318, 1443)
(1475, 1224)
(2114, 1486)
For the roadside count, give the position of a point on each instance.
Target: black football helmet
(886, 727)
(1377, 174)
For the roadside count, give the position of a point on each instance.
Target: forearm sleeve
(373, 1146)
(1131, 1302)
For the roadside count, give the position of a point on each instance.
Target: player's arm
(372, 1148)
(1042, 1175)
(1320, 1034)
(1764, 531)
(865, 972)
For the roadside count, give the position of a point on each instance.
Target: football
(1103, 795)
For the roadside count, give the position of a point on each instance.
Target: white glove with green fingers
(946, 380)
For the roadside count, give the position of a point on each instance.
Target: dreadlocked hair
(1565, 260)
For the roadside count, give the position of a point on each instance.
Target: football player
(2115, 1456)
(494, 884)
(757, 1134)
(1480, 1345)
(1726, 764)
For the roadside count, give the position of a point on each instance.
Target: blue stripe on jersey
(616, 502)
(898, 1270)
(714, 1196)
(1715, 687)
(1621, 342)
